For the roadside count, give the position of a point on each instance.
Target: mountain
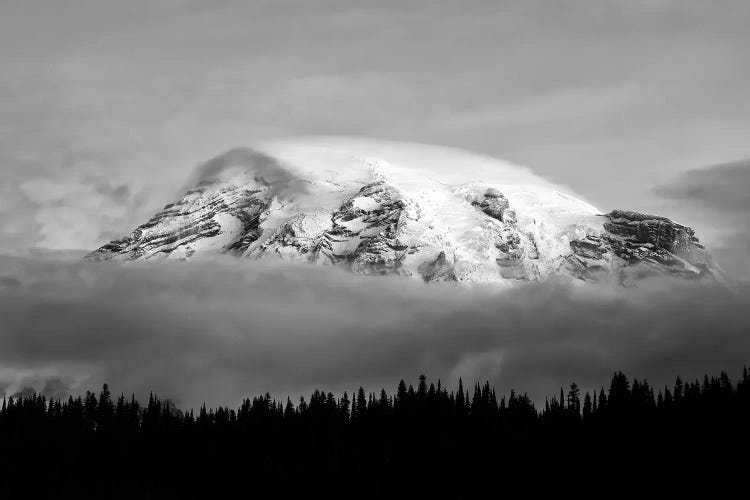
(432, 213)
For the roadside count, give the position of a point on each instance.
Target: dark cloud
(260, 166)
(217, 331)
(51, 387)
(734, 253)
(118, 194)
(720, 194)
(725, 188)
(9, 281)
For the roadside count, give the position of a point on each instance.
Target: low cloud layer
(216, 331)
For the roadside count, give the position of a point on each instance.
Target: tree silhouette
(428, 442)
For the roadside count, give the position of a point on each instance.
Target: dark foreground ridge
(691, 440)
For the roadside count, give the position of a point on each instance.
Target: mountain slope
(432, 213)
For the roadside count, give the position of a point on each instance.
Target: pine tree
(594, 405)
(359, 406)
(678, 390)
(562, 400)
(587, 407)
(289, 409)
(384, 402)
(574, 400)
(344, 406)
(105, 409)
(460, 399)
(422, 387)
(90, 408)
(400, 394)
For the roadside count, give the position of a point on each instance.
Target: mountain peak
(433, 213)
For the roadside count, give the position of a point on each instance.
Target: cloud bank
(724, 188)
(217, 331)
(720, 194)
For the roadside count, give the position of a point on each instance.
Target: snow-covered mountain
(432, 213)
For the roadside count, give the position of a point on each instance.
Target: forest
(425, 441)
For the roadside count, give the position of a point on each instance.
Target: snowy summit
(432, 213)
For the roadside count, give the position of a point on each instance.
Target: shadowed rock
(633, 238)
(438, 270)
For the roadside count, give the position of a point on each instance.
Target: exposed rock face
(634, 238)
(366, 231)
(591, 256)
(651, 229)
(494, 204)
(508, 241)
(362, 234)
(438, 270)
(228, 218)
(299, 237)
(383, 219)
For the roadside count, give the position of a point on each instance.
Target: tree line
(427, 441)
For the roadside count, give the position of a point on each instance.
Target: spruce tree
(400, 399)
(587, 407)
(574, 400)
(460, 399)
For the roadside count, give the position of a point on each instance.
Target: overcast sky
(108, 105)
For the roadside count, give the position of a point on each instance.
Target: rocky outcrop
(514, 249)
(494, 204)
(590, 257)
(632, 238)
(299, 237)
(231, 214)
(362, 234)
(366, 229)
(652, 229)
(439, 269)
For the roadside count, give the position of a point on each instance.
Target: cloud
(216, 331)
(721, 194)
(73, 203)
(253, 163)
(559, 106)
(724, 188)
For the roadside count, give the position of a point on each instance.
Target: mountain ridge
(427, 212)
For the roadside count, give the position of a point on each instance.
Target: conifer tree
(594, 405)
(574, 400)
(360, 408)
(400, 399)
(422, 387)
(587, 407)
(460, 399)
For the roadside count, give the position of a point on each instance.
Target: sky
(107, 107)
